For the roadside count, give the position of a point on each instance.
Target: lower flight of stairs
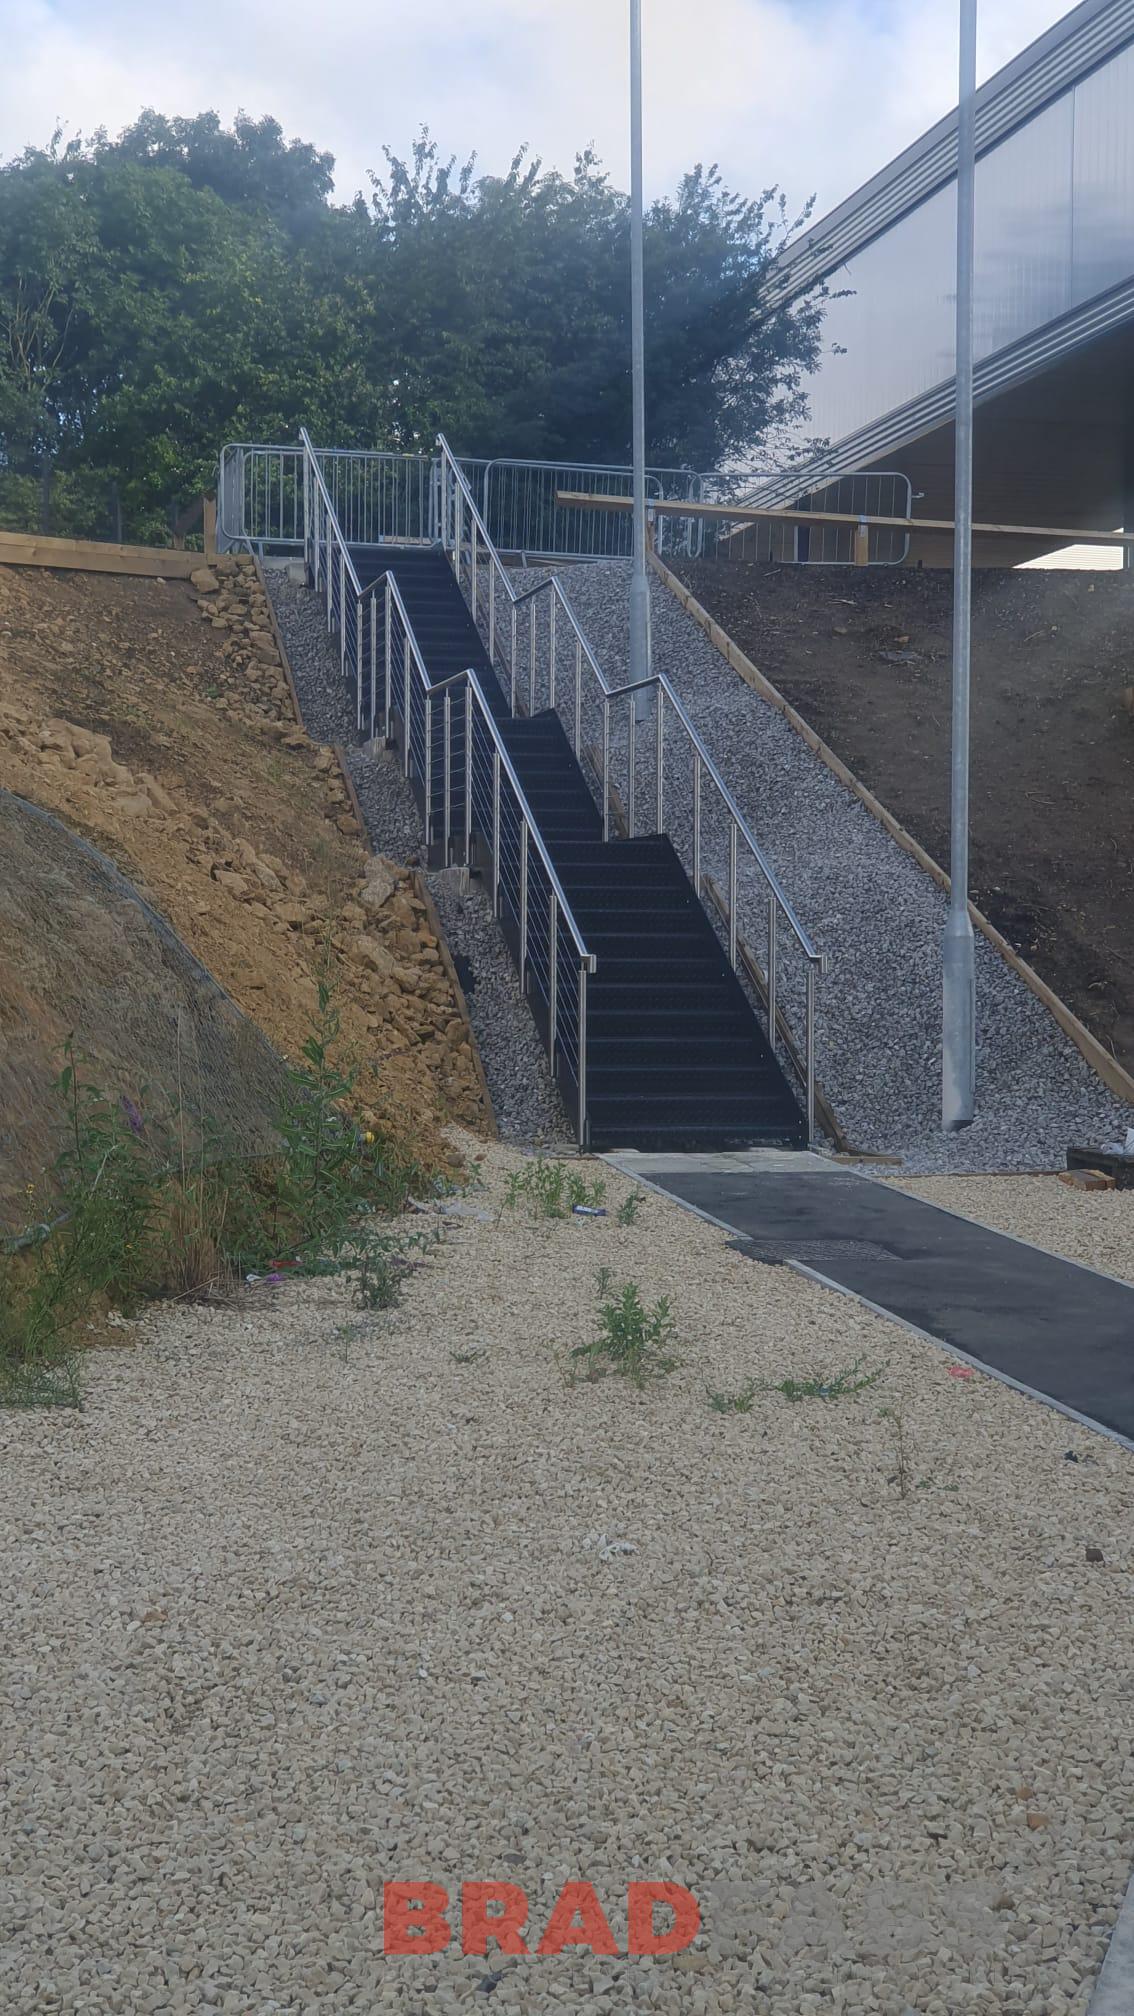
(675, 1055)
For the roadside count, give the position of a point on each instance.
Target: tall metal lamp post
(639, 585)
(958, 1029)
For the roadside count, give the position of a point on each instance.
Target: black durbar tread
(676, 1057)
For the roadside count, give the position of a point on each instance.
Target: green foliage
(629, 1209)
(632, 1339)
(552, 1189)
(841, 1385)
(734, 1403)
(187, 284)
(132, 1223)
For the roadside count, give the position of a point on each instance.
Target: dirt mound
(164, 735)
(865, 655)
(108, 972)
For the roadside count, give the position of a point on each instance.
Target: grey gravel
(525, 1101)
(876, 914)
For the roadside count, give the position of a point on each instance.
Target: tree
(186, 284)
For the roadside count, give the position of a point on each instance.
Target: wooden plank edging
(1113, 1075)
(96, 556)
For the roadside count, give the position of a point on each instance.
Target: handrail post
(582, 1053)
(631, 763)
(697, 823)
(389, 693)
(373, 667)
(496, 832)
(428, 774)
(773, 912)
(531, 658)
(552, 975)
(329, 559)
(406, 704)
(551, 651)
(732, 928)
(358, 657)
(606, 767)
(578, 693)
(342, 608)
(523, 906)
(469, 703)
(515, 648)
(810, 1051)
(475, 557)
(492, 612)
(661, 760)
(448, 770)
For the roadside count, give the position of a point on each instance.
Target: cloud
(813, 94)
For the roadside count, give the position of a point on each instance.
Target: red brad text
(417, 1919)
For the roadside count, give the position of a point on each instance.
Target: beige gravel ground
(1095, 1227)
(304, 1600)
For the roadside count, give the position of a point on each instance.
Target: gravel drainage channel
(525, 1101)
(866, 903)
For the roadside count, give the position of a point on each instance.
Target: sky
(814, 95)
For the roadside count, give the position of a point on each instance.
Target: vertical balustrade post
(582, 1053)
(373, 667)
(631, 764)
(552, 976)
(358, 658)
(448, 769)
(469, 730)
(531, 656)
(551, 650)
(732, 891)
(515, 620)
(523, 906)
(697, 822)
(342, 608)
(661, 760)
(810, 1052)
(474, 570)
(605, 768)
(496, 832)
(428, 774)
(773, 913)
(578, 694)
(492, 611)
(389, 650)
(406, 675)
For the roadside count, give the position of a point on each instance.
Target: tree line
(186, 284)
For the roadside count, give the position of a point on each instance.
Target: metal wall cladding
(1055, 226)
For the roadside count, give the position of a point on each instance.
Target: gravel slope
(526, 1103)
(865, 902)
(305, 1601)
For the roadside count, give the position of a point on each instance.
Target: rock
(204, 581)
(1086, 1179)
(1094, 1554)
(382, 878)
(228, 879)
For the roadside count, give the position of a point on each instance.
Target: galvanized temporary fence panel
(379, 496)
(260, 495)
(873, 493)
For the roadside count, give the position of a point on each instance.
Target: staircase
(675, 1056)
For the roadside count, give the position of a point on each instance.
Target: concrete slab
(1054, 1329)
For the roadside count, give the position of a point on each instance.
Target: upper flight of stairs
(676, 1057)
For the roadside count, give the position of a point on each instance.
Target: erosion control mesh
(83, 955)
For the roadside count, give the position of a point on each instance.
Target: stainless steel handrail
(703, 763)
(323, 530)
